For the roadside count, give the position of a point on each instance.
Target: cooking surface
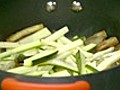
(96, 15)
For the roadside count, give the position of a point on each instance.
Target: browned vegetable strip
(117, 47)
(22, 33)
(112, 41)
(96, 38)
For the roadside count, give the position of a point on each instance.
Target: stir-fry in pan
(37, 51)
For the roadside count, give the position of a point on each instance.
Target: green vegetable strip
(60, 74)
(31, 52)
(70, 61)
(8, 45)
(22, 69)
(90, 68)
(65, 40)
(36, 36)
(36, 73)
(89, 47)
(47, 74)
(80, 60)
(63, 55)
(29, 61)
(111, 54)
(61, 32)
(78, 37)
(70, 46)
(39, 56)
(108, 61)
(11, 58)
(61, 64)
(45, 68)
(83, 62)
(41, 70)
(51, 43)
(20, 49)
(85, 53)
(5, 65)
(100, 53)
(34, 44)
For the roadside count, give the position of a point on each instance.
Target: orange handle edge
(13, 84)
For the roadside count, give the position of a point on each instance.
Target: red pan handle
(13, 84)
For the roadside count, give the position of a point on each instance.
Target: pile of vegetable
(37, 51)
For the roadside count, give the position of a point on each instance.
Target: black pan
(96, 15)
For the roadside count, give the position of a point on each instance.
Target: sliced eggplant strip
(117, 47)
(110, 42)
(97, 37)
(22, 33)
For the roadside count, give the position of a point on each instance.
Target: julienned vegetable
(43, 53)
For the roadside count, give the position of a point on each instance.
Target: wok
(96, 15)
